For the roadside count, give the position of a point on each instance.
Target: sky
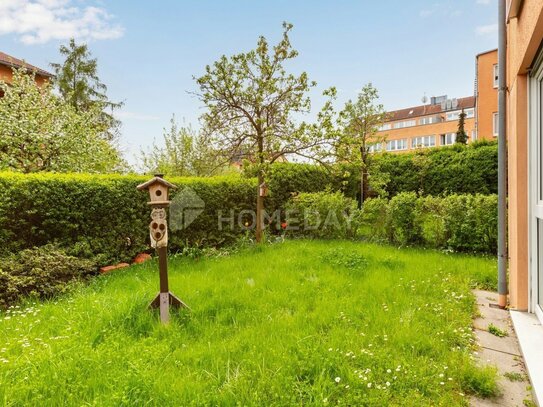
(149, 51)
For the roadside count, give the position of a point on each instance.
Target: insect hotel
(158, 189)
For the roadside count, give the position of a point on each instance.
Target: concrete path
(502, 352)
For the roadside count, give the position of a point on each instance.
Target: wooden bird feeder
(158, 191)
(263, 190)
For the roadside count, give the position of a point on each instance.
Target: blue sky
(148, 51)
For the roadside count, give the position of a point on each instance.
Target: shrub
(402, 219)
(471, 169)
(104, 217)
(322, 215)
(41, 272)
(374, 219)
(464, 223)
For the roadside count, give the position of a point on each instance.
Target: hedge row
(104, 217)
(471, 169)
(465, 223)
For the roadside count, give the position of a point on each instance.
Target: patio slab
(502, 352)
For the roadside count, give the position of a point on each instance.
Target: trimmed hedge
(464, 223)
(471, 169)
(459, 169)
(104, 217)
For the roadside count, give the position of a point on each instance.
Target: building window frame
(495, 124)
(423, 141)
(496, 78)
(396, 145)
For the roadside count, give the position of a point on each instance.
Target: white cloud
(487, 29)
(40, 21)
(135, 116)
(485, 2)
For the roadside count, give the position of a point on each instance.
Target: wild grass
(298, 323)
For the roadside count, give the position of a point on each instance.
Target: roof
(486, 52)
(13, 62)
(424, 110)
(156, 179)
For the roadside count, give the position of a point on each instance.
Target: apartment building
(435, 123)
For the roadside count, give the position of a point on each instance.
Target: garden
(299, 322)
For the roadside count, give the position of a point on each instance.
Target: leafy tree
(41, 132)
(185, 153)
(359, 123)
(251, 102)
(461, 136)
(78, 83)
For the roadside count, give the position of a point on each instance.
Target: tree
(251, 102)
(41, 132)
(359, 123)
(185, 153)
(78, 83)
(461, 136)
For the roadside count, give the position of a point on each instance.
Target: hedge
(464, 223)
(471, 169)
(459, 169)
(104, 217)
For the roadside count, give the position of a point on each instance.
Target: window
(397, 145)
(423, 141)
(428, 120)
(374, 148)
(495, 124)
(448, 139)
(406, 123)
(496, 77)
(470, 113)
(386, 126)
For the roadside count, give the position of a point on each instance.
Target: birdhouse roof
(156, 180)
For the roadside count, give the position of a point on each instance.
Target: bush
(104, 217)
(471, 169)
(322, 215)
(40, 272)
(464, 223)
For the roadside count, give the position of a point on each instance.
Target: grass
(312, 323)
(494, 330)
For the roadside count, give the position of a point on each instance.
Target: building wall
(487, 95)
(524, 36)
(6, 75)
(427, 130)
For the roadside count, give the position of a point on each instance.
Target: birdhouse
(263, 189)
(158, 189)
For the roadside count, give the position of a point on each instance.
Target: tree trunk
(362, 186)
(259, 198)
(259, 209)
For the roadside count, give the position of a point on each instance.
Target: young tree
(184, 153)
(461, 136)
(251, 102)
(359, 123)
(41, 132)
(78, 83)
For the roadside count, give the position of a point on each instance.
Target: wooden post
(158, 189)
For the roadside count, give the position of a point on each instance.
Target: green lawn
(299, 323)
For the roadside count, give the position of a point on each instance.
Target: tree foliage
(184, 153)
(461, 136)
(252, 102)
(359, 123)
(41, 132)
(78, 82)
